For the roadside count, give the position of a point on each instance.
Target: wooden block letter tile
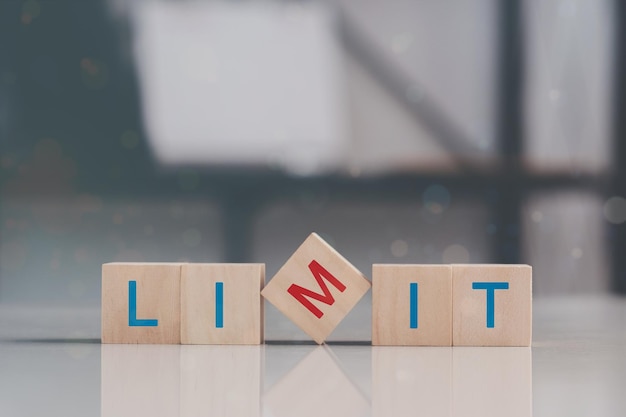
(492, 305)
(316, 288)
(412, 305)
(221, 304)
(141, 303)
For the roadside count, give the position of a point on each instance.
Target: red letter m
(300, 293)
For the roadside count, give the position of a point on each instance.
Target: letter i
(219, 305)
(413, 305)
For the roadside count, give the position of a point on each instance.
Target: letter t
(490, 287)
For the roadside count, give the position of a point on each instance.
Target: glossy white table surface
(52, 364)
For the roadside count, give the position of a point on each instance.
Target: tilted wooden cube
(316, 288)
(141, 303)
(222, 304)
(412, 305)
(492, 305)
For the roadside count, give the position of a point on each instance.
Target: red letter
(300, 293)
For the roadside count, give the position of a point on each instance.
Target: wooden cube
(316, 288)
(492, 305)
(222, 304)
(141, 303)
(412, 305)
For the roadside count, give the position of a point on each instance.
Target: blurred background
(226, 131)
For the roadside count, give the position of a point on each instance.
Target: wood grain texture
(297, 271)
(512, 306)
(158, 297)
(391, 312)
(242, 304)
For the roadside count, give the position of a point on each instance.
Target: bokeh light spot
(455, 254)
(401, 42)
(399, 248)
(615, 210)
(436, 199)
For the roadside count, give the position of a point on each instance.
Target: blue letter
(413, 287)
(132, 308)
(219, 305)
(490, 287)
